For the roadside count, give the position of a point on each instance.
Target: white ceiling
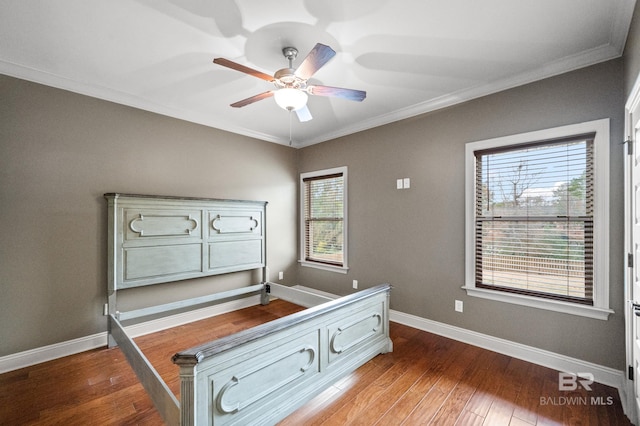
(410, 56)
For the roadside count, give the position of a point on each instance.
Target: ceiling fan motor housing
(286, 78)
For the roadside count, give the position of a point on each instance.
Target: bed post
(264, 295)
(187, 394)
(387, 332)
(112, 201)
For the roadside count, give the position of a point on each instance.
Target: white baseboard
(50, 352)
(82, 344)
(601, 374)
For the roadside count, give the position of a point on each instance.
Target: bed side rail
(164, 400)
(299, 295)
(158, 309)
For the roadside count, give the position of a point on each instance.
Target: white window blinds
(323, 207)
(534, 219)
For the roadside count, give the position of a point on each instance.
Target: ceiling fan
(292, 85)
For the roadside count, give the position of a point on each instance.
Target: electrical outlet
(105, 309)
(280, 275)
(399, 184)
(355, 284)
(406, 183)
(458, 306)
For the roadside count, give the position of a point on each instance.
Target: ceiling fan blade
(235, 66)
(304, 114)
(338, 92)
(319, 55)
(252, 99)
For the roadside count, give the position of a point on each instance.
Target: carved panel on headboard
(230, 224)
(162, 225)
(156, 239)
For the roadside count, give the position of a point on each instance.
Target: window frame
(302, 257)
(600, 308)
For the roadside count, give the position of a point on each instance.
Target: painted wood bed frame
(259, 375)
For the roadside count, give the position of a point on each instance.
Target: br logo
(571, 382)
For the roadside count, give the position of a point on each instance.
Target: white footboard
(263, 374)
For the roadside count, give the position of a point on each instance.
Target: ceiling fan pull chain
(290, 131)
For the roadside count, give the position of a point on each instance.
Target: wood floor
(426, 380)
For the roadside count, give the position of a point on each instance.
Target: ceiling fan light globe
(290, 99)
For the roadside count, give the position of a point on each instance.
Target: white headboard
(158, 239)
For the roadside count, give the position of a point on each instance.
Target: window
(537, 219)
(323, 207)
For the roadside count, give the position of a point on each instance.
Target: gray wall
(60, 152)
(414, 239)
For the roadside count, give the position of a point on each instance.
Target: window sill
(325, 267)
(550, 305)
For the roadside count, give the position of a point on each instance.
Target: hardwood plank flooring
(426, 380)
